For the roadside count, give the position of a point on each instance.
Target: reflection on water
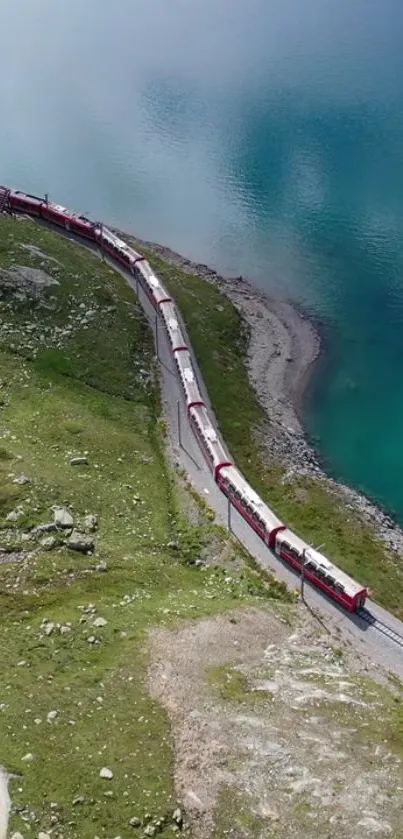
(265, 139)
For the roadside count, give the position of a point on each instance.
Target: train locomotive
(285, 544)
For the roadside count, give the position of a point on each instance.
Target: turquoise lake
(265, 139)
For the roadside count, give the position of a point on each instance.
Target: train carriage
(208, 438)
(258, 515)
(320, 571)
(153, 287)
(118, 249)
(21, 202)
(174, 330)
(188, 379)
(56, 214)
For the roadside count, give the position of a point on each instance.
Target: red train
(274, 533)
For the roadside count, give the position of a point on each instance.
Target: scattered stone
(28, 757)
(42, 835)
(48, 628)
(106, 773)
(62, 517)
(49, 543)
(102, 566)
(51, 716)
(79, 461)
(135, 822)
(79, 800)
(17, 836)
(14, 515)
(80, 542)
(150, 830)
(177, 817)
(90, 523)
(99, 622)
(48, 527)
(21, 481)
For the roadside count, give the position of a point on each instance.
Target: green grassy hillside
(81, 442)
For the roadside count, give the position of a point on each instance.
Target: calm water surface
(267, 141)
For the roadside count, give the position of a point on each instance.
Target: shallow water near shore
(267, 144)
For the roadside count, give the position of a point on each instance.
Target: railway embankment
(256, 354)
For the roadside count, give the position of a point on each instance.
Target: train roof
(184, 363)
(208, 431)
(22, 194)
(350, 586)
(170, 315)
(60, 209)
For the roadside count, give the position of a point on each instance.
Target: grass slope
(76, 379)
(220, 339)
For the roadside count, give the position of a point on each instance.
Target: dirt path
(272, 727)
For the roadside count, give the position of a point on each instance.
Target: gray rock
(150, 830)
(79, 461)
(90, 523)
(14, 515)
(80, 542)
(22, 480)
(102, 566)
(135, 822)
(62, 517)
(99, 622)
(106, 773)
(177, 816)
(47, 527)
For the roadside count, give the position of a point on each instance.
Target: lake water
(264, 140)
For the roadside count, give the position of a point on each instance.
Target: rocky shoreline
(283, 348)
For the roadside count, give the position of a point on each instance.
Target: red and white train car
(172, 325)
(153, 287)
(258, 515)
(208, 438)
(188, 379)
(319, 571)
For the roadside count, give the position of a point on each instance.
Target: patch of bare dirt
(303, 740)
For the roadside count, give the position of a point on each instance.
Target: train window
(286, 546)
(330, 580)
(339, 587)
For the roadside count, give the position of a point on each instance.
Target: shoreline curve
(284, 345)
